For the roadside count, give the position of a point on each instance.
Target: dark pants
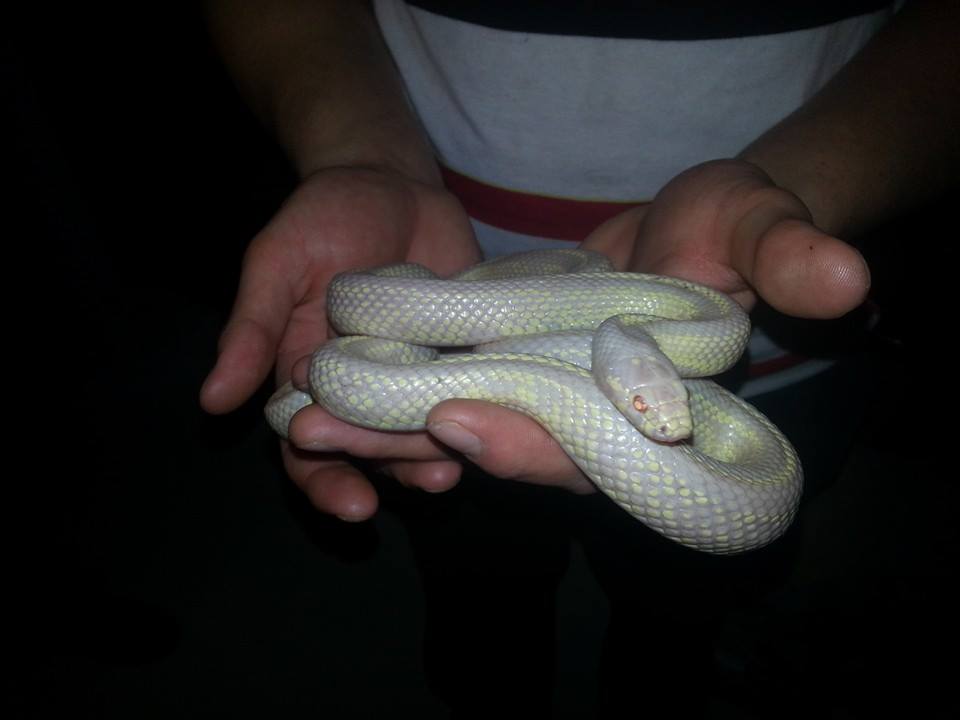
(492, 554)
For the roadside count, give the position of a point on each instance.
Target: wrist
(815, 183)
(346, 107)
(320, 77)
(316, 141)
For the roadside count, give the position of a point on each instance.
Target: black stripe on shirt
(653, 20)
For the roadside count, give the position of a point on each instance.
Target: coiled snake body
(704, 468)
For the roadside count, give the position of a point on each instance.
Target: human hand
(723, 224)
(338, 219)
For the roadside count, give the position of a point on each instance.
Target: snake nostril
(639, 404)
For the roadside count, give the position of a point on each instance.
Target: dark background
(162, 566)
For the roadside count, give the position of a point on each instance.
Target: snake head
(641, 382)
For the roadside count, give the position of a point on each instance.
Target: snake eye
(639, 404)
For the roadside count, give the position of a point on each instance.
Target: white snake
(705, 469)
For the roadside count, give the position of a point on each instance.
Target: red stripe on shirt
(560, 219)
(527, 214)
(762, 368)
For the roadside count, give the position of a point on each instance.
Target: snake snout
(661, 411)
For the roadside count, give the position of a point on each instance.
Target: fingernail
(316, 446)
(315, 440)
(454, 435)
(300, 374)
(351, 518)
(866, 270)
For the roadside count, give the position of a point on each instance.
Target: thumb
(505, 444)
(798, 269)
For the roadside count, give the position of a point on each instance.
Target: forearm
(882, 135)
(318, 74)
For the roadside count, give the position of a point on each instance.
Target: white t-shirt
(547, 123)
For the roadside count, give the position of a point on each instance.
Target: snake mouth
(663, 436)
(660, 434)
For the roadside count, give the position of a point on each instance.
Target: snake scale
(686, 457)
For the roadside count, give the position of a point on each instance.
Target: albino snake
(714, 475)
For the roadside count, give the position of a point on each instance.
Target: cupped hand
(723, 224)
(338, 219)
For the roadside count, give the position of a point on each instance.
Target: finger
(300, 374)
(615, 237)
(244, 360)
(305, 332)
(445, 240)
(431, 477)
(316, 430)
(798, 269)
(332, 485)
(249, 341)
(505, 444)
